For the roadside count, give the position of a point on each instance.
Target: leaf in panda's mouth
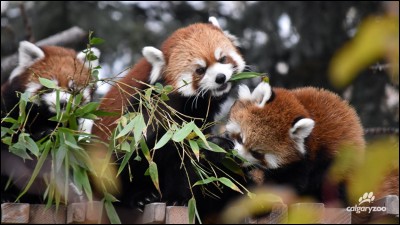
(246, 75)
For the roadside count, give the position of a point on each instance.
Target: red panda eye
(222, 59)
(201, 70)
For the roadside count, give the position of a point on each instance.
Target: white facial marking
(156, 58)
(239, 61)
(32, 88)
(245, 154)
(185, 86)
(51, 99)
(224, 109)
(218, 53)
(233, 127)
(200, 62)
(86, 95)
(208, 80)
(272, 161)
(300, 130)
(85, 125)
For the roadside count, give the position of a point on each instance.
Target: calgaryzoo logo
(367, 197)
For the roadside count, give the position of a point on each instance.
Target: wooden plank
(310, 213)
(278, 215)
(177, 215)
(336, 216)
(17, 213)
(76, 213)
(154, 213)
(40, 215)
(390, 202)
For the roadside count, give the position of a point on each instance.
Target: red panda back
(337, 123)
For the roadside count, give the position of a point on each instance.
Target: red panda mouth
(222, 87)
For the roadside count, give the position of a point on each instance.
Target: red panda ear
(261, 94)
(230, 36)
(81, 56)
(29, 53)
(300, 130)
(156, 58)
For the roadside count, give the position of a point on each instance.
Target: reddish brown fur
(180, 49)
(267, 128)
(59, 64)
(118, 97)
(192, 45)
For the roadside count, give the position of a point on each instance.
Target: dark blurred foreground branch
(67, 38)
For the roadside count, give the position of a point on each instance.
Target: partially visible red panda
(70, 71)
(197, 61)
(294, 135)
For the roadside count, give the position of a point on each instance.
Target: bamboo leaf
(153, 171)
(183, 132)
(47, 83)
(201, 135)
(139, 127)
(145, 149)
(127, 128)
(111, 213)
(96, 41)
(229, 184)
(192, 210)
(245, 75)
(164, 139)
(195, 148)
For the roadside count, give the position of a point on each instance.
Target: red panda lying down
(294, 135)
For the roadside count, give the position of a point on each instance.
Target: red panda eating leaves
(70, 71)
(198, 62)
(294, 135)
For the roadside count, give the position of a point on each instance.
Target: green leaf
(125, 160)
(111, 213)
(88, 108)
(211, 147)
(164, 97)
(60, 156)
(195, 148)
(48, 83)
(31, 145)
(38, 167)
(127, 128)
(192, 210)
(154, 175)
(124, 146)
(205, 181)
(164, 139)
(145, 149)
(229, 184)
(201, 135)
(183, 132)
(245, 75)
(139, 127)
(96, 41)
(232, 166)
(168, 89)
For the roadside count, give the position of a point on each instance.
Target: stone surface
(15, 213)
(154, 213)
(177, 215)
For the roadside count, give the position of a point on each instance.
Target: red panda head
(67, 69)
(269, 127)
(197, 59)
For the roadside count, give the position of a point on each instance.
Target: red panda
(294, 135)
(197, 61)
(69, 71)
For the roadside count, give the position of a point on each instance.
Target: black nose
(220, 78)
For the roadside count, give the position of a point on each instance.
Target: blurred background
(293, 42)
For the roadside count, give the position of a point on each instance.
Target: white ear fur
(156, 58)
(82, 57)
(300, 130)
(244, 92)
(28, 54)
(214, 21)
(261, 94)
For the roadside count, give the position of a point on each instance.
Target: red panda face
(63, 66)
(197, 60)
(269, 128)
